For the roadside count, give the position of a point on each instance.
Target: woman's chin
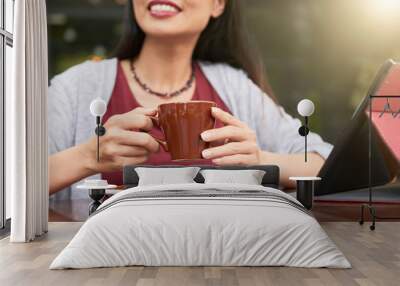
(170, 34)
(172, 28)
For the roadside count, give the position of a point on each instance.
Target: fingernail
(214, 109)
(205, 136)
(206, 154)
(216, 161)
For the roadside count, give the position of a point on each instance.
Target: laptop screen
(347, 167)
(386, 110)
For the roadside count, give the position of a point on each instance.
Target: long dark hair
(225, 40)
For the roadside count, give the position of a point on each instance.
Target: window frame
(6, 39)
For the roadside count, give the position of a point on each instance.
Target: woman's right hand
(124, 143)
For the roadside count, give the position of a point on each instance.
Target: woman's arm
(120, 146)
(241, 148)
(293, 165)
(67, 167)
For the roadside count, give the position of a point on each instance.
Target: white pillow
(247, 177)
(166, 176)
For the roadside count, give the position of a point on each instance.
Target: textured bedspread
(201, 224)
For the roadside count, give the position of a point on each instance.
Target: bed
(201, 224)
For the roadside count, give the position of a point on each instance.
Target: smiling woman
(164, 44)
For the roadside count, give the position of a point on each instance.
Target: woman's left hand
(240, 146)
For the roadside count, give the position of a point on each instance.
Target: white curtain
(26, 124)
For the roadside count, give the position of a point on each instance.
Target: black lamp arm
(100, 131)
(305, 138)
(304, 131)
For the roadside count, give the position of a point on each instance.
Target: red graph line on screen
(387, 108)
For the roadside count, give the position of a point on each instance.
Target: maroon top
(123, 101)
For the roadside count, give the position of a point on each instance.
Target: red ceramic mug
(182, 124)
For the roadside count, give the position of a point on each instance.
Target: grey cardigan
(70, 94)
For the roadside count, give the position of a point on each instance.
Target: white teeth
(163, 8)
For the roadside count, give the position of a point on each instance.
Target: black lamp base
(305, 193)
(305, 190)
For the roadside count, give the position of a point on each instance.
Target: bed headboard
(270, 179)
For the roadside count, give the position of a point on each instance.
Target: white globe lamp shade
(306, 108)
(98, 107)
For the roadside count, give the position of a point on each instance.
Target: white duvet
(185, 230)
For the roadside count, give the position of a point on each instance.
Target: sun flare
(385, 8)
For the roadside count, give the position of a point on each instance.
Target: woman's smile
(175, 19)
(163, 8)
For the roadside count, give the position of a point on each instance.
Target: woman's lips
(163, 9)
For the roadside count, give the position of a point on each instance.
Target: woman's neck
(165, 65)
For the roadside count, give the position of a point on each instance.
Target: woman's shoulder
(83, 82)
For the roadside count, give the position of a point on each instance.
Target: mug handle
(163, 143)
